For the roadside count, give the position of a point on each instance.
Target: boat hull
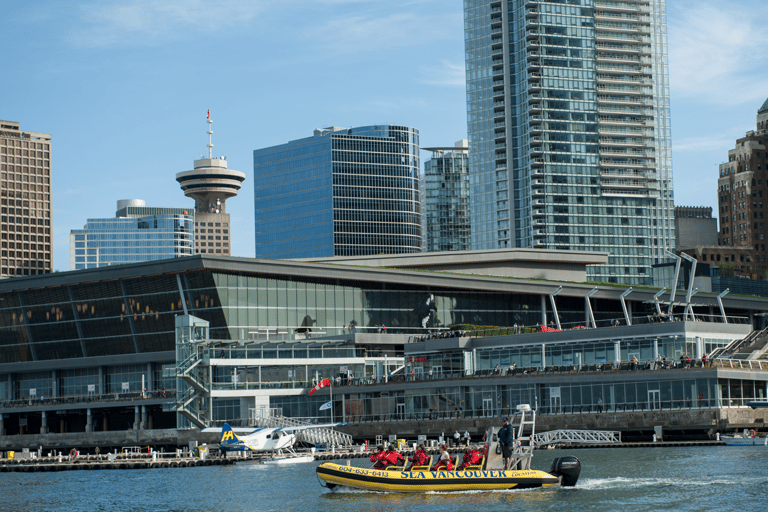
(290, 460)
(425, 481)
(744, 441)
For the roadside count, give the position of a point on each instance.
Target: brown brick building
(742, 200)
(25, 202)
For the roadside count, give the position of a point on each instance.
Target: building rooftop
(764, 108)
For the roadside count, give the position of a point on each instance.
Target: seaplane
(277, 440)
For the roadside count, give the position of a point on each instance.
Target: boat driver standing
(507, 441)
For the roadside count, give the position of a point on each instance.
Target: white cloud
(718, 52)
(370, 31)
(141, 22)
(704, 143)
(447, 74)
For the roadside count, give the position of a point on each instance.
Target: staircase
(187, 402)
(325, 435)
(747, 348)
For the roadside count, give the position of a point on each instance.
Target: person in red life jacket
(420, 458)
(465, 459)
(392, 457)
(445, 461)
(377, 457)
(472, 457)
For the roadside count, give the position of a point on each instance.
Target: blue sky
(124, 86)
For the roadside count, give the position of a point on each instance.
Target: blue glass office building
(137, 233)
(568, 121)
(341, 192)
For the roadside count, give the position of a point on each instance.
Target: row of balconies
(611, 130)
(609, 27)
(615, 100)
(634, 91)
(636, 164)
(635, 71)
(614, 16)
(632, 49)
(617, 79)
(622, 142)
(608, 121)
(629, 111)
(613, 7)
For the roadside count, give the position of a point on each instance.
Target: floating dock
(94, 462)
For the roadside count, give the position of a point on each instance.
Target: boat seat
(423, 468)
(477, 466)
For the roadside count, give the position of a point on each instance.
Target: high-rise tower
(210, 184)
(568, 121)
(25, 201)
(445, 199)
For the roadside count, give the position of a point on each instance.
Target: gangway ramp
(325, 435)
(577, 437)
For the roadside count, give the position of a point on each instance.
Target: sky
(124, 87)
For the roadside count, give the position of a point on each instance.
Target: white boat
(748, 438)
(289, 460)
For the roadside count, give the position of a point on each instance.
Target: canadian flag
(320, 385)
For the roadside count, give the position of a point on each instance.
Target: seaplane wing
(262, 439)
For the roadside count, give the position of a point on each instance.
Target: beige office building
(25, 202)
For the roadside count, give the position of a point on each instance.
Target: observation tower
(210, 184)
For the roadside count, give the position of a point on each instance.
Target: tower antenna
(210, 132)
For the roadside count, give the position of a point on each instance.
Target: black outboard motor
(567, 469)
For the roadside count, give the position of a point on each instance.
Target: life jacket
(419, 458)
(447, 464)
(392, 457)
(379, 460)
(474, 457)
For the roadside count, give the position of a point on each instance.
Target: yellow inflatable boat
(443, 481)
(491, 474)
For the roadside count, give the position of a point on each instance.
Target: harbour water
(624, 479)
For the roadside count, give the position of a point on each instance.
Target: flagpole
(331, 401)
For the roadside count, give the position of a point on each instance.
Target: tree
(727, 270)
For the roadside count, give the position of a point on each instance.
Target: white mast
(210, 132)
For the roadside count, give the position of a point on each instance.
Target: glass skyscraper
(341, 192)
(137, 233)
(445, 199)
(569, 128)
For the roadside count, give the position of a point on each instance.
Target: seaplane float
(490, 474)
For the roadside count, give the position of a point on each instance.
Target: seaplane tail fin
(228, 436)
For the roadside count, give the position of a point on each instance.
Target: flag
(325, 406)
(209, 114)
(320, 385)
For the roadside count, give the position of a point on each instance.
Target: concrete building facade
(25, 202)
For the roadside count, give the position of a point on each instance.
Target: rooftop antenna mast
(210, 132)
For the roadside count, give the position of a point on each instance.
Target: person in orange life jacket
(392, 457)
(445, 460)
(471, 457)
(420, 458)
(379, 462)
